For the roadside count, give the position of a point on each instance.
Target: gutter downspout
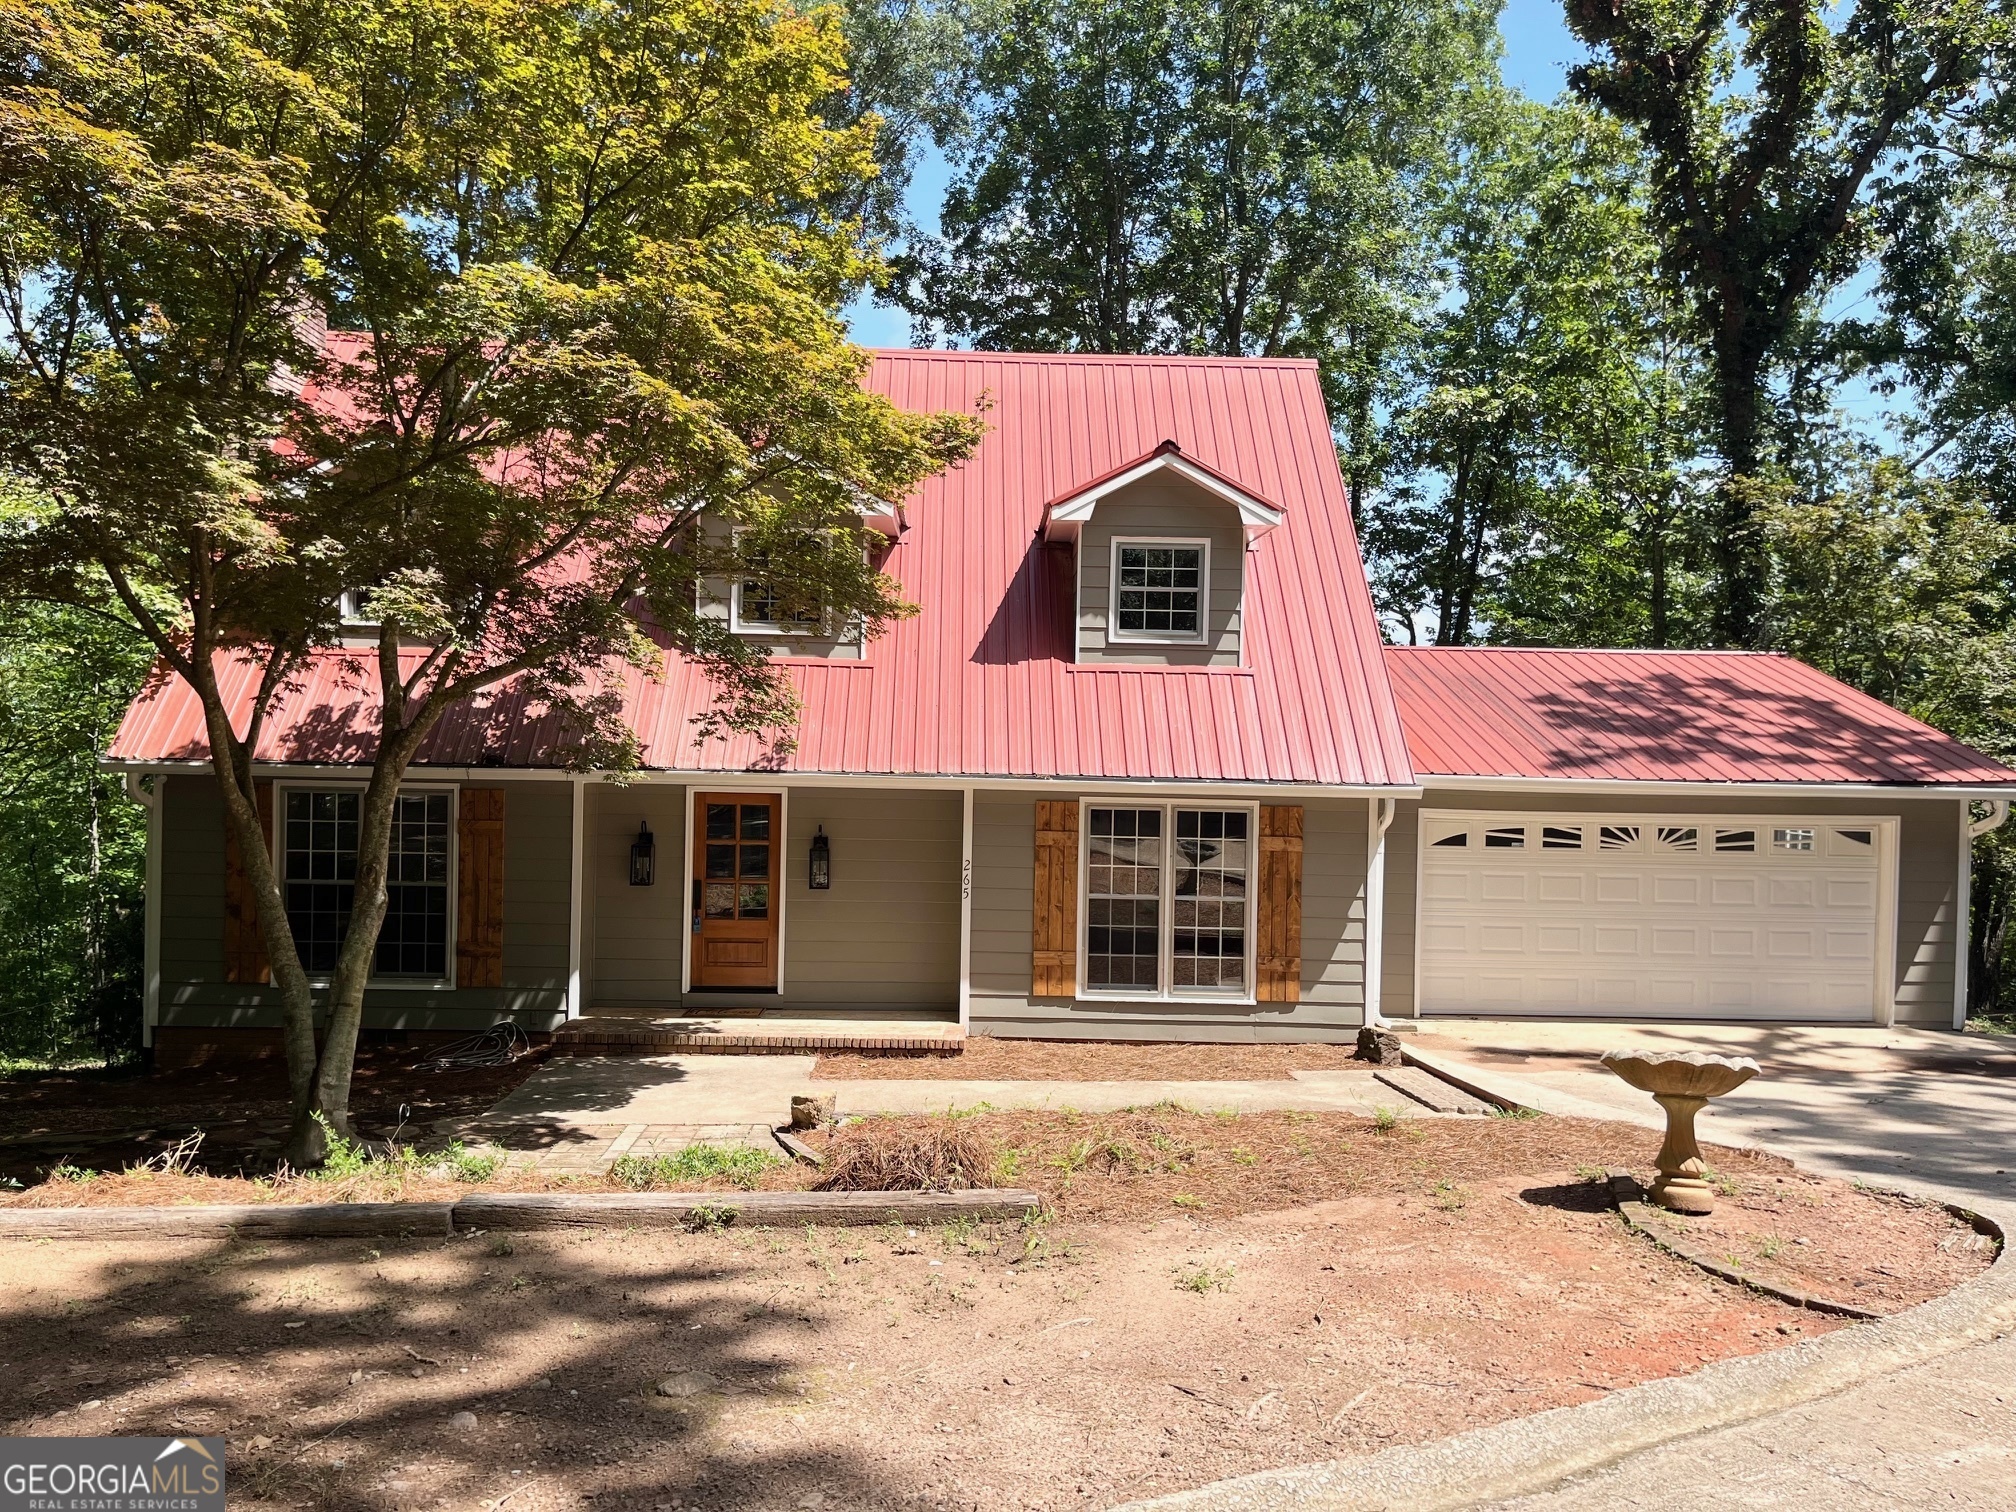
(1971, 829)
(1381, 811)
(150, 968)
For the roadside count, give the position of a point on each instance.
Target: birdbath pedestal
(1682, 1084)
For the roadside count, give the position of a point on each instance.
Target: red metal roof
(981, 682)
(1660, 716)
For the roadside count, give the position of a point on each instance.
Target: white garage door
(1660, 918)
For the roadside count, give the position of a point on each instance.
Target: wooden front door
(736, 892)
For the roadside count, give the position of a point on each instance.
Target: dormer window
(1158, 590)
(759, 609)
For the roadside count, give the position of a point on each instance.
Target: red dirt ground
(1450, 1273)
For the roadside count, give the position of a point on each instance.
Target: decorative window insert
(1167, 901)
(1857, 836)
(1461, 837)
(1505, 837)
(1736, 840)
(318, 845)
(1159, 590)
(1617, 837)
(1792, 839)
(1561, 837)
(1679, 837)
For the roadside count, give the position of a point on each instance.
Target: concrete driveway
(1931, 1106)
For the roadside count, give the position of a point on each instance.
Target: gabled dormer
(1160, 547)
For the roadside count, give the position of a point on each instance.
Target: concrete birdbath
(1682, 1084)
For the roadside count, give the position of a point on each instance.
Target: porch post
(579, 792)
(1378, 816)
(965, 906)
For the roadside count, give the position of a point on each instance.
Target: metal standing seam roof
(1661, 716)
(981, 682)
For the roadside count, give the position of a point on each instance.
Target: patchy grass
(738, 1165)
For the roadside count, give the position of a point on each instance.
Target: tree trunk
(1738, 559)
(232, 762)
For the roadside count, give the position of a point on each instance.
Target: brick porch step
(699, 1034)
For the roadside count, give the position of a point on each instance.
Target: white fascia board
(1256, 514)
(774, 781)
(1789, 790)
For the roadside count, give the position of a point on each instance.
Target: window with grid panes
(737, 863)
(1166, 900)
(1159, 591)
(319, 878)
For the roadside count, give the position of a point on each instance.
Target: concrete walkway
(579, 1113)
(1940, 1434)
(1933, 1108)
(1308, 1091)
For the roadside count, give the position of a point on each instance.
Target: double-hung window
(1159, 590)
(318, 861)
(1167, 905)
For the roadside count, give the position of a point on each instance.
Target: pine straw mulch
(1818, 1235)
(987, 1058)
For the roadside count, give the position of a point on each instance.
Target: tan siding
(537, 846)
(885, 935)
(1928, 860)
(1162, 507)
(1333, 881)
(635, 934)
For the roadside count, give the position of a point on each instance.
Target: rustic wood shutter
(244, 947)
(1280, 898)
(1056, 919)
(479, 906)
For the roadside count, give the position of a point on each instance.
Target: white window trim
(1165, 943)
(821, 629)
(444, 983)
(1146, 638)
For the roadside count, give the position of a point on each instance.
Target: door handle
(696, 905)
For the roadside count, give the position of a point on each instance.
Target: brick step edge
(1431, 1091)
(644, 1042)
(512, 1210)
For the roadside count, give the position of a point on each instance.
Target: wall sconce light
(643, 856)
(822, 862)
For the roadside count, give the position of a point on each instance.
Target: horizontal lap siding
(638, 933)
(537, 821)
(1333, 881)
(884, 936)
(1163, 508)
(1928, 862)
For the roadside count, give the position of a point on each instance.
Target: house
(1140, 768)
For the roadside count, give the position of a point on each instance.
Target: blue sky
(1538, 50)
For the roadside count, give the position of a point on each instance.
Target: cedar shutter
(1055, 935)
(244, 947)
(1280, 942)
(479, 889)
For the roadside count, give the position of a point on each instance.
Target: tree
(593, 252)
(1208, 176)
(71, 847)
(1542, 446)
(1771, 132)
(1898, 585)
